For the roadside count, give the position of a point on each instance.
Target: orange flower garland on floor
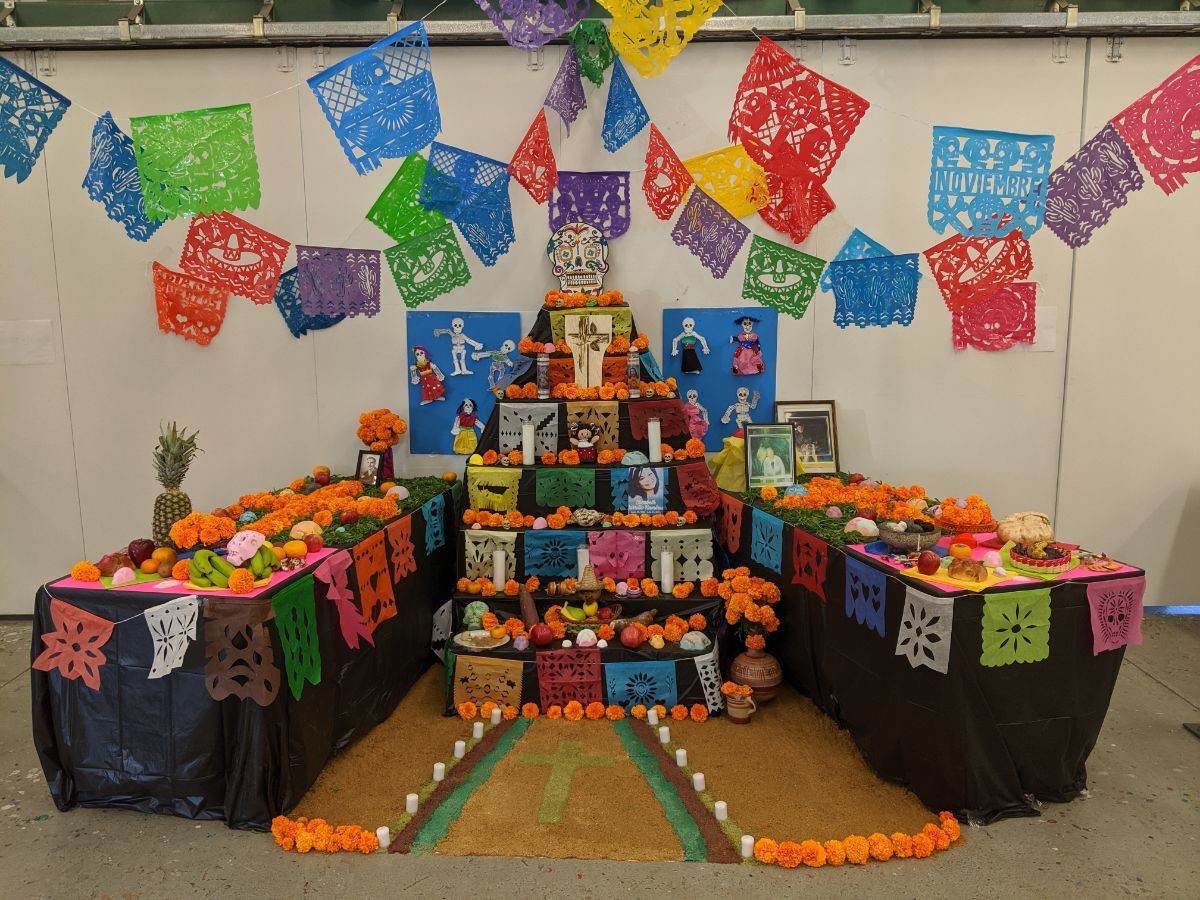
(303, 835)
(857, 849)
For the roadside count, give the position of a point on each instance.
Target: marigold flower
(510, 713)
(489, 621)
(532, 583)
(683, 590)
(515, 457)
(950, 827)
(697, 622)
(689, 517)
(638, 711)
(857, 849)
(937, 835)
(788, 854)
(902, 845)
(765, 851)
(922, 846)
(614, 713)
(755, 642)
(673, 633)
(768, 493)
(660, 711)
(468, 517)
(179, 572)
(485, 708)
(679, 712)
(241, 581)
(554, 712)
(880, 846)
(512, 588)
(573, 710)
(549, 458)
(467, 709)
(85, 571)
(490, 457)
(698, 712)
(835, 853)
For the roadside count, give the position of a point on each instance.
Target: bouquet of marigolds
(380, 429)
(749, 603)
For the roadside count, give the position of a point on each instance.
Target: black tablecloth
(164, 745)
(985, 742)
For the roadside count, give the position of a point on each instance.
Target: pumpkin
(1025, 528)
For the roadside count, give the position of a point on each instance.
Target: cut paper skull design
(578, 255)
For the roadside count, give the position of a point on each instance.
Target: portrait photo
(369, 466)
(647, 490)
(814, 434)
(770, 457)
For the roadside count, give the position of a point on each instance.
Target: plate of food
(480, 639)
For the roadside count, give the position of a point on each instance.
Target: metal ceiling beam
(718, 28)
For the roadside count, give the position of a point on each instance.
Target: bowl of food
(909, 535)
(1041, 558)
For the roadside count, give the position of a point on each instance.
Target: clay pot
(760, 670)
(739, 709)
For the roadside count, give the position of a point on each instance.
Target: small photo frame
(814, 434)
(370, 464)
(770, 456)
(647, 487)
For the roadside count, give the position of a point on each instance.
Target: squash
(1025, 528)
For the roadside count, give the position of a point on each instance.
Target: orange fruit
(320, 470)
(165, 555)
(498, 632)
(386, 486)
(473, 588)
(296, 549)
(149, 566)
(280, 553)
(449, 477)
(960, 551)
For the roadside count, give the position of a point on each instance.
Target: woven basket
(908, 541)
(952, 530)
(1034, 566)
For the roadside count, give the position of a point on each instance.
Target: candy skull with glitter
(578, 255)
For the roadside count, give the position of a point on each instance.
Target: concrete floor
(1137, 832)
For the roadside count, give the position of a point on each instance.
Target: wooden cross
(588, 336)
(562, 762)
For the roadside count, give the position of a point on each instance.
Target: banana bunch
(207, 569)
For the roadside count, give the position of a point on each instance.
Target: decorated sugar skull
(578, 255)
(242, 546)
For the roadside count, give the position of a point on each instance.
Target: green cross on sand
(562, 762)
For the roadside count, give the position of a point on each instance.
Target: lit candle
(681, 757)
(498, 570)
(667, 570)
(720, 810)
(439, 771)
(652, 716)
(496, 716)
(664, 735)
(477, 730)
(385, 835)
(410, 803)
(582, 558)
(698, 780)
(654, 437)
(747, 846)
(460, 749)
(527, 441)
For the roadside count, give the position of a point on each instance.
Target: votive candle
(582, 559)
(667, 570)
(654, 438)
(747, 846)
(527, 442)
(385, 834)
(460, 749)
(496, 716)
(652, 716)
(698, 780)
(439, 771)
(410, 803)
(721, 810)
(477, 730)
(664, 735)
(681, 757)
(498, 570)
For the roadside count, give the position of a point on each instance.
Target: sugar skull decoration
(578, 255)
(242, 546)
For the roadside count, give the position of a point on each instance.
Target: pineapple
(175, 451)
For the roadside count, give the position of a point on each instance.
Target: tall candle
(681, 757)
(698, 780)
(528, 437)
(667, 570)
(410, 803)
(496, 716)
(385, 835)
(664, 735)
(582, 558)
(498, 569)
(747, 846)
(721, 810)
(652, 716)
(477, 730)
(439, 771)
(460, 749)
(654, 436)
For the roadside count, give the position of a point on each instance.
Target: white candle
(667, 570)
(664, 735)
(654, 438)
(747, 846)
(385, 835)
(681, 757)
(720, 810)
(410, 803)
(698, 780)
(582, 558)
(498, 569)
(652, 716)
(527, 442)
(496, 716)
(477, 730)
(460, 748)
(439, 771)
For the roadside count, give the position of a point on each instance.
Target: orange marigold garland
(594, 710)
(880, 847)
(765, 850)
(304, 835)
(573, 710)
(529, 710)
(835, 853)
(858, 851)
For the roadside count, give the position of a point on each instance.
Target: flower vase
(387, 469)
(760, 670)
(739, 709)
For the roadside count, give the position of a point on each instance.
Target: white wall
(909, 407)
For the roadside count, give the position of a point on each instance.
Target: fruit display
(209, 570)
(174, 454)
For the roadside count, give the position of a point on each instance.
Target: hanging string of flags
(788, 127)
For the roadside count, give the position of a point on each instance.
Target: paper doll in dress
(465, 424)
(747, 358)
(458, 344)
(426, 373)
(688, 339)
(500, 371)
(697, 415)
(583, 439)
(740, 409)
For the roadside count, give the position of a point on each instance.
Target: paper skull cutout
(578, 254)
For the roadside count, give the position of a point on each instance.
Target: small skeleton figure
(697, 415)
(464, 428)
(689, 338)
(426, 373)
(740, 409)
(747, 358)
(458, 344)
(501, 368)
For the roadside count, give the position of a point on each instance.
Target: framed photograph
(647, 488)
(770, 457)
(370, 464)
(814, 433)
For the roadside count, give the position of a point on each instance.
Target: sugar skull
(242, 546)
(578, 255)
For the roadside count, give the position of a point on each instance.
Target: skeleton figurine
(740, 409)
(500, 371)
(697, 415)
(689, 337)
(458, 345)
(578, 255)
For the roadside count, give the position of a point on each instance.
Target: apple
(349, 516)
(604, 614)
(541, 635)
(140, 550)
(631, 637)
(867, 513)
(314, 542)
(857, 477)
(321, 478)
(928, 562)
